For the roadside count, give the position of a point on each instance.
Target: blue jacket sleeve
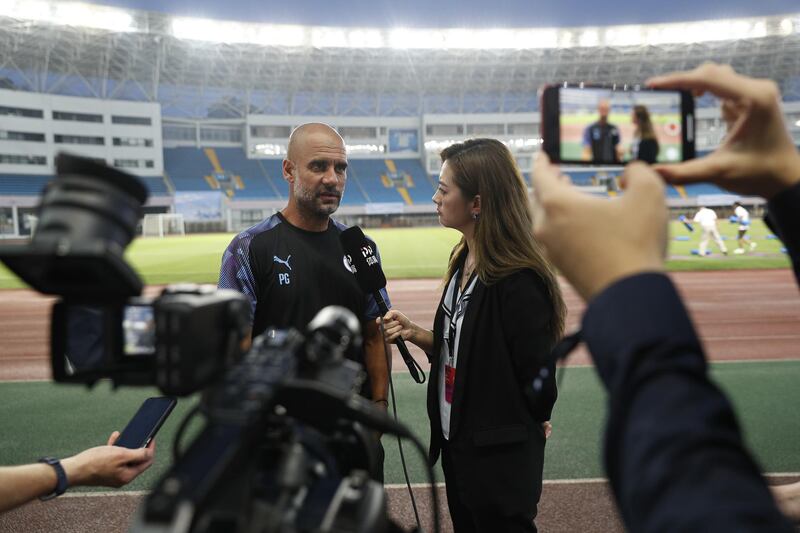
(673, 449)
(784, 219)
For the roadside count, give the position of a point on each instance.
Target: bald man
(601, 138)
(292, 264)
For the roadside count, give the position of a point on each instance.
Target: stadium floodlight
(472, 38)
(70, 14)
(714, 30)
(438, 146)
(216, 31)
(366, 38)
(523, 143)
(269, 149)
(536, 38)
(403, 38)
(589, 38)
(365, 148)
(623, 36)
(329, 38)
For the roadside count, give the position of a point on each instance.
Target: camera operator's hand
(108, 466)
(788, 499)
(758, 156)
(595, 241)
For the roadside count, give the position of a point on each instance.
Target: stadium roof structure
(198, 68)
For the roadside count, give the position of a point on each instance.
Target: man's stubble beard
(310, 203)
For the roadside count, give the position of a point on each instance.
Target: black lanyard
(456, 302)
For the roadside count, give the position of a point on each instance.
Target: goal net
(162, 225)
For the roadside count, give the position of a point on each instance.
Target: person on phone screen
(674, 452)
(103, 466)
(601, 138)
(645, 143)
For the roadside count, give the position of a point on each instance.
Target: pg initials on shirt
(283, 279)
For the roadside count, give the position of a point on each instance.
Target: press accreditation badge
(449, 382)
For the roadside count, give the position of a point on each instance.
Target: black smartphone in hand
(146, 422)
(613, 125)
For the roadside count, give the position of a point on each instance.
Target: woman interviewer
(500, 314)
(645, 143)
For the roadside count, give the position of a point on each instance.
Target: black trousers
(474, 518)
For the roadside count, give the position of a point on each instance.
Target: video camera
(285, 446)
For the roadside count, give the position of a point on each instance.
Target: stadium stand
(249, 176)
(22, 185)
(32, 185)
(419, 185)
(156, 185)
(186, 168)
(373, 176)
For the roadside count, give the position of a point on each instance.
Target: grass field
(406, 253)
(760, 391)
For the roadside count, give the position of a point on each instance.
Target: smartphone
(612, 125)
(146, 422)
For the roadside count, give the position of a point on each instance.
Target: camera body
(180, 341)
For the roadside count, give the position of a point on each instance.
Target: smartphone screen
(609, 126)
(146, 422)
(139, 330)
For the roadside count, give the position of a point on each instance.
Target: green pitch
(573, 150)
(44, 418)
(406, 253)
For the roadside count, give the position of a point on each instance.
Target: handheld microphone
(368, 272)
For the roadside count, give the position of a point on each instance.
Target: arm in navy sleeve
(783, 219)
(236, 270)
(673, 449)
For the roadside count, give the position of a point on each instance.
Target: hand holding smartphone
(146, 422)
(610, 126)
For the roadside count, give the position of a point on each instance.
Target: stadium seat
(22, 185)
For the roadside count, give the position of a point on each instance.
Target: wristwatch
(61, 476)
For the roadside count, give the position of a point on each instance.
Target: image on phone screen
(604, 126)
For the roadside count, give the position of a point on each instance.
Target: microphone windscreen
(363, 259)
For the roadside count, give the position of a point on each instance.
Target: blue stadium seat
(185, 165)
(583, 177)
(256, 182)
(696, 189)
(366, 174)
(273, 170)
(423, 188)
(156, 185)
(32, 185)
(22, 184)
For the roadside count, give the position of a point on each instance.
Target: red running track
(741, 315)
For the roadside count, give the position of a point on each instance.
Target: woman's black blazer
(496, 438)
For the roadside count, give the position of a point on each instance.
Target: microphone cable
(399, 441)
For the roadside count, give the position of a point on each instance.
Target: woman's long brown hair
(644, 124)
(504, 239)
